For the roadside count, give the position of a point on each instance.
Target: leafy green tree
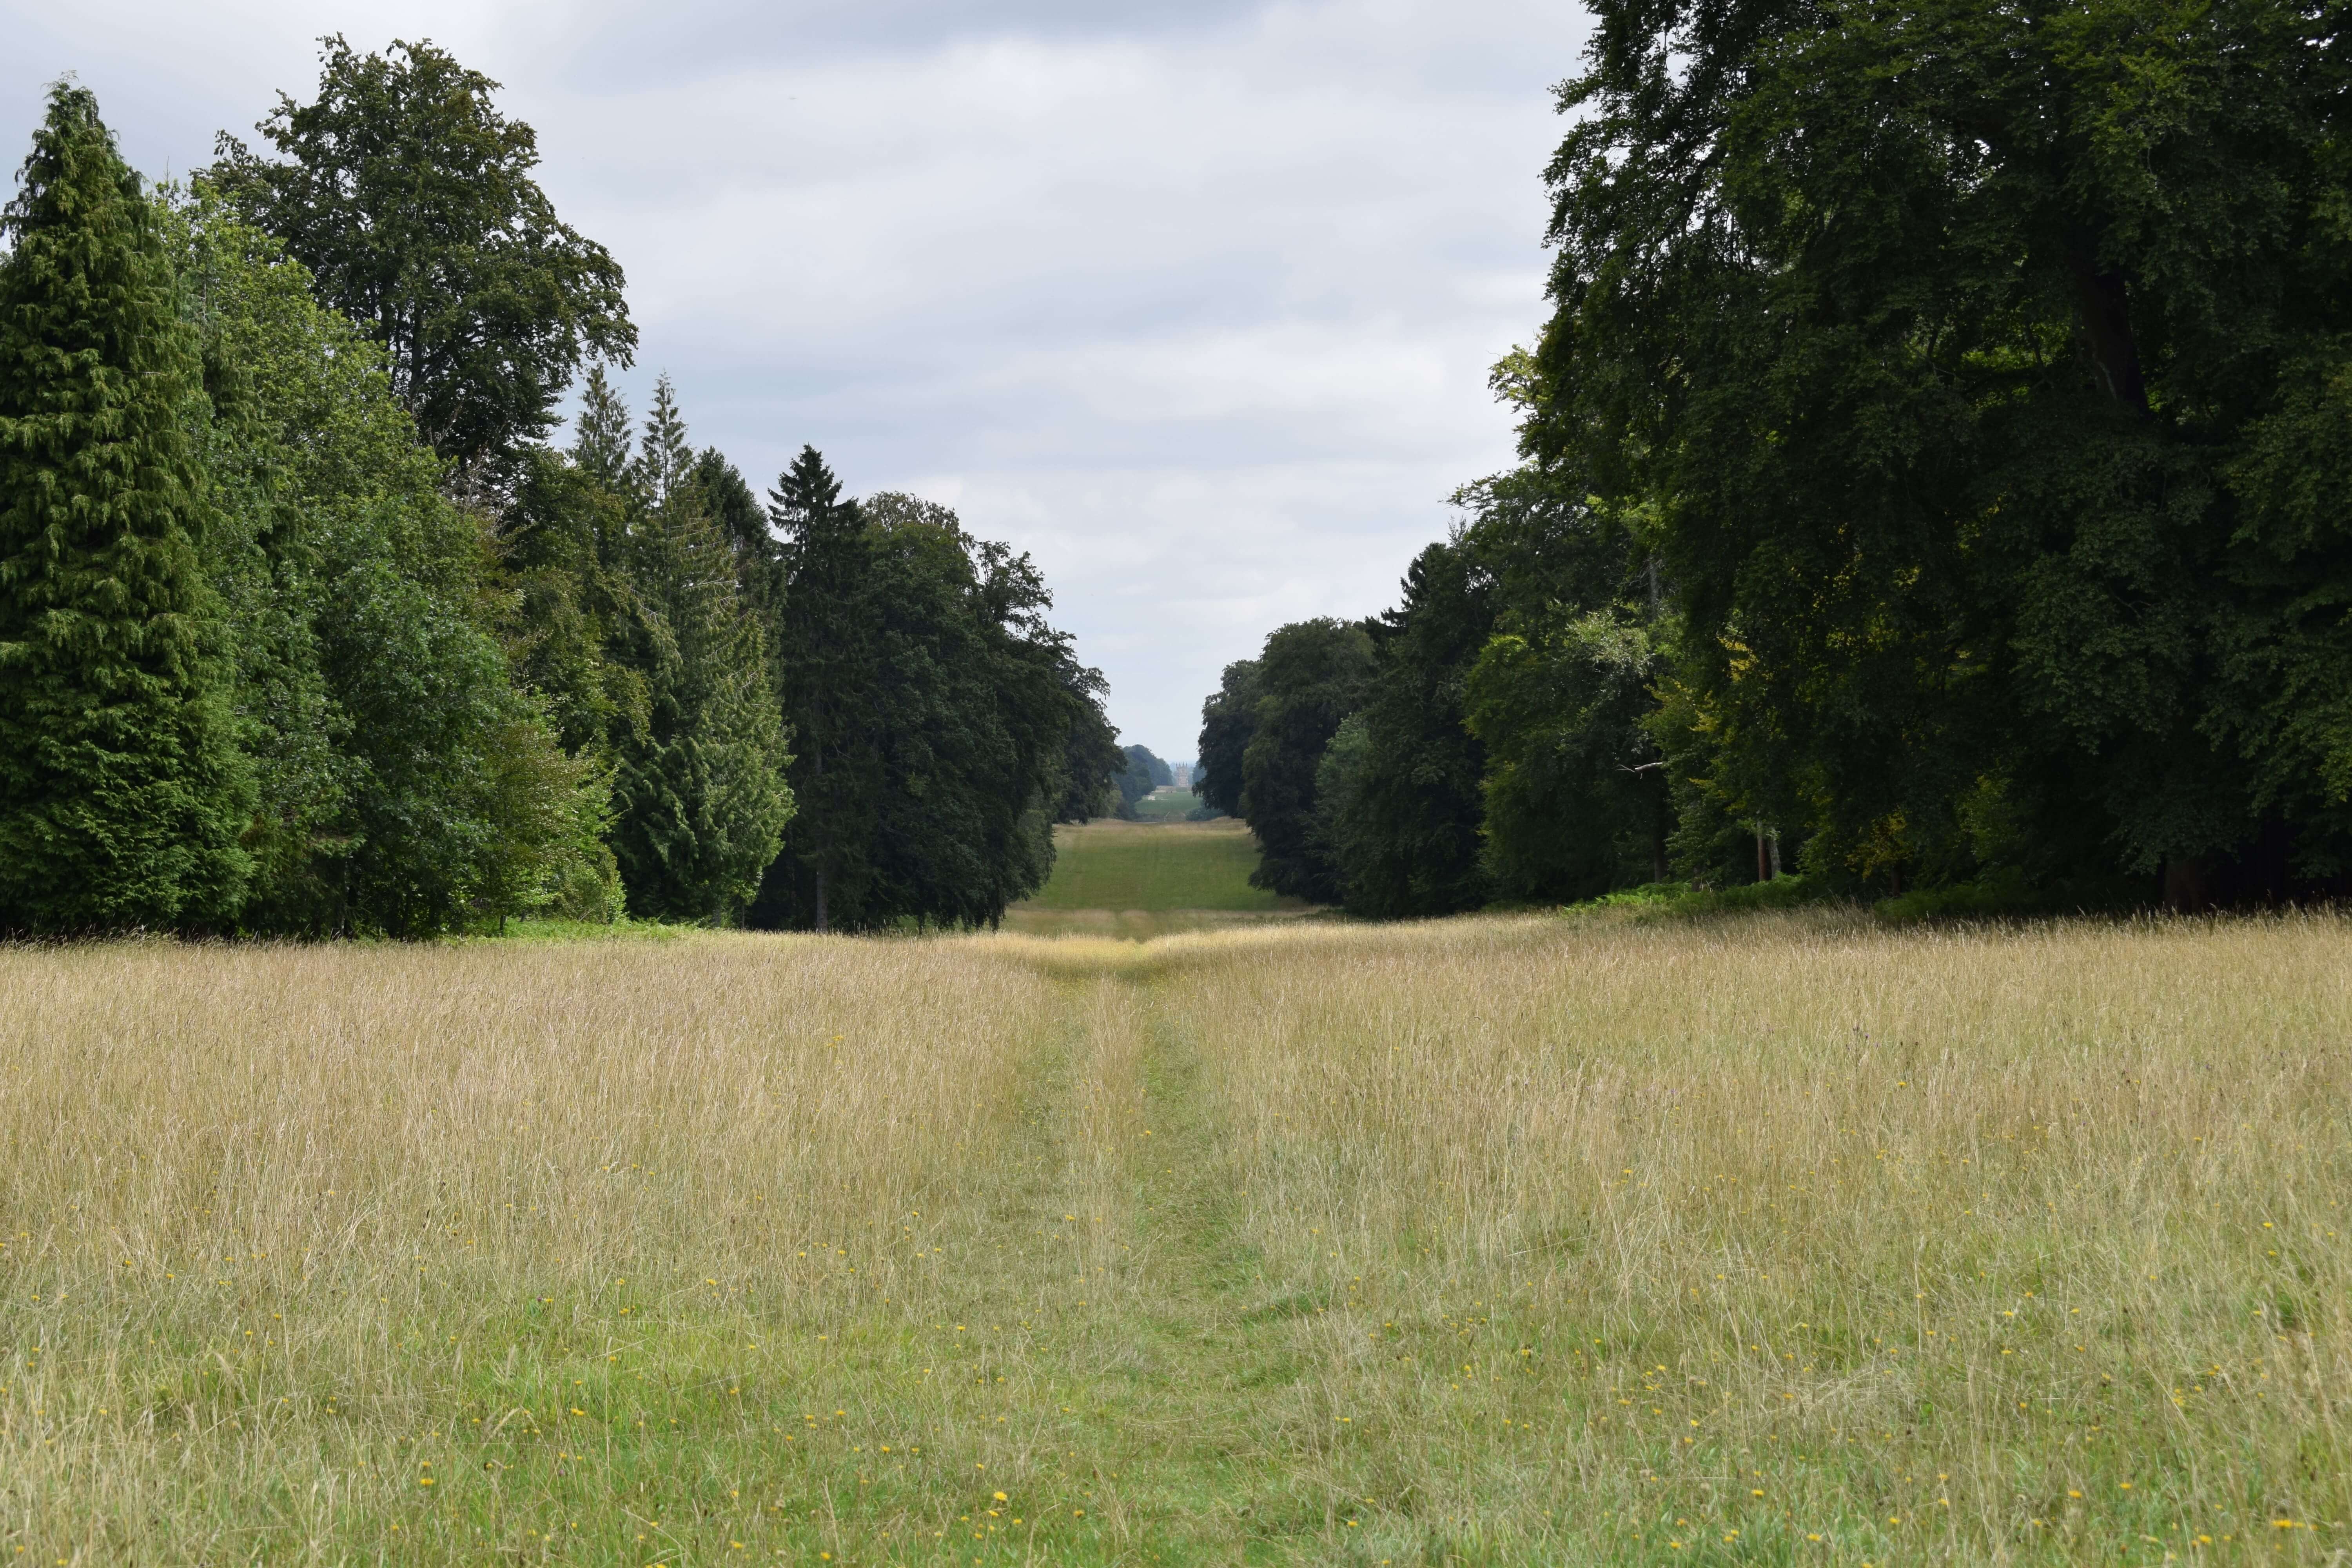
(406, 785)
(1397, 792)
(1228, 720)
(938, 714)
(122, 790)
(1984, 367)
(1091, 757)
(1311, 676)
(1579, 798)
(410, 198)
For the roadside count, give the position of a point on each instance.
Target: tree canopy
(1929, 465)
(410, 198)
(306, 629)
(122, 792)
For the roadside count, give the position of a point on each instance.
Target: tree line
(310, 626)
(1936, 480)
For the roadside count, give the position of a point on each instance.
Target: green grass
(1167, 805)
(1156, 866)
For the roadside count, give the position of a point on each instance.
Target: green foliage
(1091, 757)
(122, 790)
(700, 797)
(600, 446)
(1576, 798)
(405, 784)
(1310, 677)
(409, 198)
(1139, 774)
(1228, 720)
(274, 664)
(940, 720)
(1399, 792)
(1984, 371)
(564, 548)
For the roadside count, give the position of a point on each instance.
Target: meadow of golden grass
(1496, 1240)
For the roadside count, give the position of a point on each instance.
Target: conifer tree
(665, 461)
(826, 649)
(600, 442)
(122, 792)
(699, 790)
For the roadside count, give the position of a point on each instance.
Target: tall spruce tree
(700, 796)
(601, 435)
(122, 792)
(826, 646)
(665, 461)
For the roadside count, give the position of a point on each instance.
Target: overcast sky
(1194, 299)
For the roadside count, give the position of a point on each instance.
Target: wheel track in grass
(1193, 1372)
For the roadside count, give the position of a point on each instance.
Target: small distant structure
(1184, 774)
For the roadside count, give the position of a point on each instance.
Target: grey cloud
(697, 40)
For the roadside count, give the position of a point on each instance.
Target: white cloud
(1195, 303)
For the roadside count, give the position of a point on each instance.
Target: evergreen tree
(665, 461)
(826, 652)
(122, 792)
(728, 501)
(700, 796)
(601, 435)
(1399, 789)
(942, 724)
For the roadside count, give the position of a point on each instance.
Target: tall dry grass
(2002, 1243)
(280, 1222)
(713, 1106)
(1485, 1241)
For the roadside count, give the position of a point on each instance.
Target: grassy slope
(1492, 1241)
(1111, 865)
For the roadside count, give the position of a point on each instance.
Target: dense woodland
(311, 621)
(1936, 480)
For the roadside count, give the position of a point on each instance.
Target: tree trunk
(2106, 318)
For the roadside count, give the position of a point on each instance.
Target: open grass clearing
(1161, 867)
(1167, 804)
(1783, 1241)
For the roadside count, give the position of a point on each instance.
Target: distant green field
(1167, 805)
(1156, 866)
